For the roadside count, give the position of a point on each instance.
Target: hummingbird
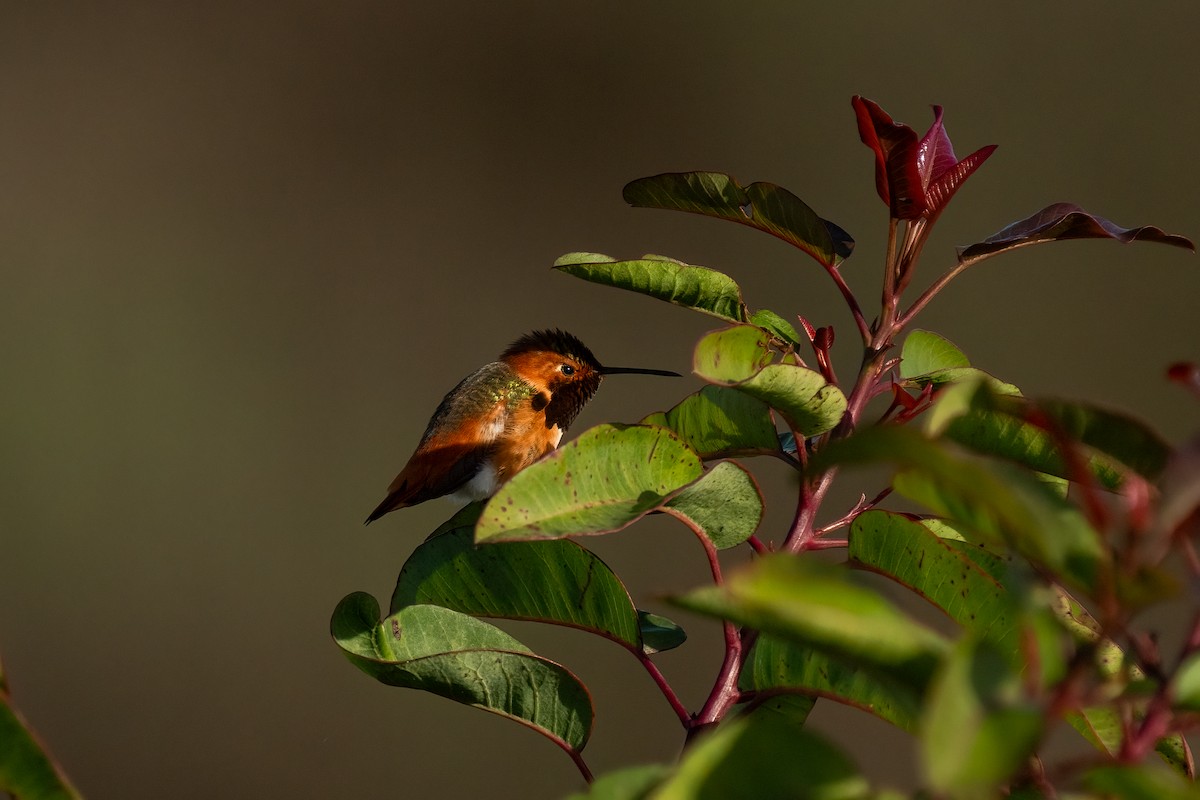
(500, 419)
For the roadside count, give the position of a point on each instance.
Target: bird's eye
(566, 369)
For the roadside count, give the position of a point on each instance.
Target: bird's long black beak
(638, 371)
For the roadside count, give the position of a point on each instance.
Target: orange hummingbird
(500, 419)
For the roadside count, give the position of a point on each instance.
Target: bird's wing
(458, 440)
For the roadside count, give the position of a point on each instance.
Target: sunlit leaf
(977, 729)
(466, 660)
(698, 288)
(738, 357)
(925, 352)
(607, 478)
(730, 355)
(554, 581)
(961, 375)
(772, 754)
(1187, 684)
(821, 606)
(725, 505)
(770, 321)
(1067, 221)
(719, 421)
(914, 178)
(764, 206)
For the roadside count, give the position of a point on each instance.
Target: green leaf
(725, 505)
(778, 326)
(1187, 684)
(764, 206)
(659, 633)
(554, 581)
(718, 422)
(776, 665)
(1140, 782)
(993, 502)
(977, 730)
(925, 352)
(795, 707)
(698, 288)
(818, 605)
(738, 357)
(938, 570)
(956, 375)
(607, 478)
(630, 783)
(730, 355)
(1117, 435)
(466, 660)
(977, 417)
(764, 756)
(26, 769)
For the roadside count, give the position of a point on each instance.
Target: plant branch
(864, 330)
(937, 287)
(677, 706)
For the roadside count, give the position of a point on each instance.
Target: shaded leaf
(1018, 429)
(659, 633)
(698, 288)
(1067, 221)
(719, 421)
(1140, 782)
(977, 729)
(554, 581)
(629, 783)
(777, 665)
(925, 352)
(466, 660)
(818, 605)
(607, 478)
(725, 505)
(793, 706)
(764, 206)
(938, 570)
(772, 754)
(1101, 726)
(27, 771)
(994, 502)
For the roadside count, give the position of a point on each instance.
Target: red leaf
(935, 154)
(1067, 221)
(897, 177)
(947, 183)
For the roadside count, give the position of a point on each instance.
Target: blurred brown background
(246, 247)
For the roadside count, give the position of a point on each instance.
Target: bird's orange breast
(525, 440)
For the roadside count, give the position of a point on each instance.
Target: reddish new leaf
(1067, 221)
(915, 178)
(897, 177)
(946, 184)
